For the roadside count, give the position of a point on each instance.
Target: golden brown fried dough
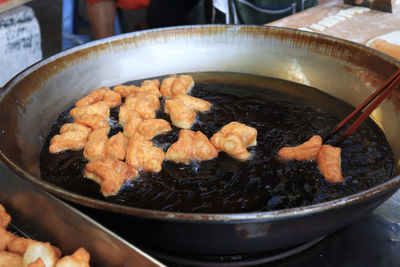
(166, 86)
(37, 263)
(150, 86)
(307, 151)
(153, 127)
(68, 141)
(131, 127)
(142, 105)
(19, 245)
(148, 97)
(233, 139)
(80, 258)
(113, 99)
(182, 85)
(173, 86)
(95, 148)
(94, 97)
(191, 146)
(99, 108)
(193, 102)
(125, 115)
(5, 218)
(117, 146)
(110, 174)
(143, 155)
(329, 163)
(75, 127)
(125, 90)
(5, 238)
(8, 259)
(41, 250)
(182, 116)
(93, 121)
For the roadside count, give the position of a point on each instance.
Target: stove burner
(234, 260)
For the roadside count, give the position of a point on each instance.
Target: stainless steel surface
(343, 69)
(40, 216)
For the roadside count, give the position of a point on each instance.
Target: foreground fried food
(93, 121)
(142, 154)
(8, 259)
(37, 263)
(329, 163)
(173, 86)
(191, 146)
(182, 116)
(113, 99)
(117, 146)
(132, 125)
(193, 102)
(94, 97)
(151, 128)
(95, 148)
(74, 140)
(110, 174)
(75, 127)
(148, 86)
(233, 139)
(5, 238)
(41, 250)
(5, 218)
(80, 258)
(100, 108)
(143, 105)
(19, 245)
(307, 151)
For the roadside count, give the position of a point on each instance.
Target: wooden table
(361, 27)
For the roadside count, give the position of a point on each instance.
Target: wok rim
(184, 216)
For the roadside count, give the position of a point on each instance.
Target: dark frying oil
(284, 114)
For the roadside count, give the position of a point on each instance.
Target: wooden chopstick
(379, 95)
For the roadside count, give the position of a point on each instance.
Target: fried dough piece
(5, 238)
(41, 250)
(117, 146)
(96, 145)
(193, 102)
(142, 105)
(80, 258)
(132, 125)
(148, 97)
(307, 151)
(75, 127)
(95, 96)
(191, 146)
(125, 90)
(329, 163)
(74, 140)
(166, 86)
(126, 114)
(182, 116)
(151, 128)
(93, 121)
(5, 218)
(150, 86)
(233, 139)
(9, 259)
(37, 263)
(19, 245)
(99, 108)
(173, 86)
(142, 154)
(113, 99)
(110, 174)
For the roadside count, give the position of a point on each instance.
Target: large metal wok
(31, 102)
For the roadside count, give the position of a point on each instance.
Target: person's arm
(101, 16)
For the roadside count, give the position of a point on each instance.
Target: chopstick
(379, 95)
